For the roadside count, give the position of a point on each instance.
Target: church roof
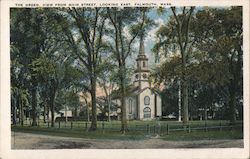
(129, 92)
(152, 89)
(133, 91)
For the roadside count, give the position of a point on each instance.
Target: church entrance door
(147, 112)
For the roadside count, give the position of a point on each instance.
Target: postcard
(124, 79)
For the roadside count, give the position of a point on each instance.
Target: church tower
(142, 72)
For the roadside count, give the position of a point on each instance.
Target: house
(142, 102)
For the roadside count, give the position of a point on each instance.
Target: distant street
(35, 141)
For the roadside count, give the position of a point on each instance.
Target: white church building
(143, 102)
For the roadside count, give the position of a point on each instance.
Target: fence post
(48, 123)
(71, 125)
(189, 129)
(86, 125)
(59, 124)
(154, 129)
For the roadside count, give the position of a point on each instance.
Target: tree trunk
(232, 102)
(88, 111)
(44, 113)
(14, 111)
(52, 109)
(108, 99)
(34, 105)
(21, 113)
(93, 126)
(185, 101)
(233, 85)
(109, 109)
(66, 114)
(18, 107)
(47, 111)
(52, 101)
(205, 112)
(124, 126)
(183, 23)
(75, 112)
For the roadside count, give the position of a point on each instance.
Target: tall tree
(84, 29)
(28, 37)
(46, 70)
(214, 62)
(176, 37)
(121, 19)
(221, 42)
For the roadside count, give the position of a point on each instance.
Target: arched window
(146, 100)
(147, 112)
(130, 103)
(144, 64)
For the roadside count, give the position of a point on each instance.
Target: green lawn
(201, 135)
(80, 133)
(139, 130)
(134, 123)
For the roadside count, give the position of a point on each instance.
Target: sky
(150, 39)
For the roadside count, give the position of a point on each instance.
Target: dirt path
(35, 141)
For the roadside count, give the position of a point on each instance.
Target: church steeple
(142, 71)
(141, 49)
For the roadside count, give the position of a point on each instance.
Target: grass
(79, 133)
(201, 135)
(115, 125)
(138, 130)
(134, 123)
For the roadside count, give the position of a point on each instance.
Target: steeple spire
(141, 49)
(142, 72)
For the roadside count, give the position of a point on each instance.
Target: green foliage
(72, 99)
(168, 70)
(214, 57)
(43, 67)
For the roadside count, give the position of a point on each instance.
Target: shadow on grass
(132, 135)
(201, 135)
(80, 133)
